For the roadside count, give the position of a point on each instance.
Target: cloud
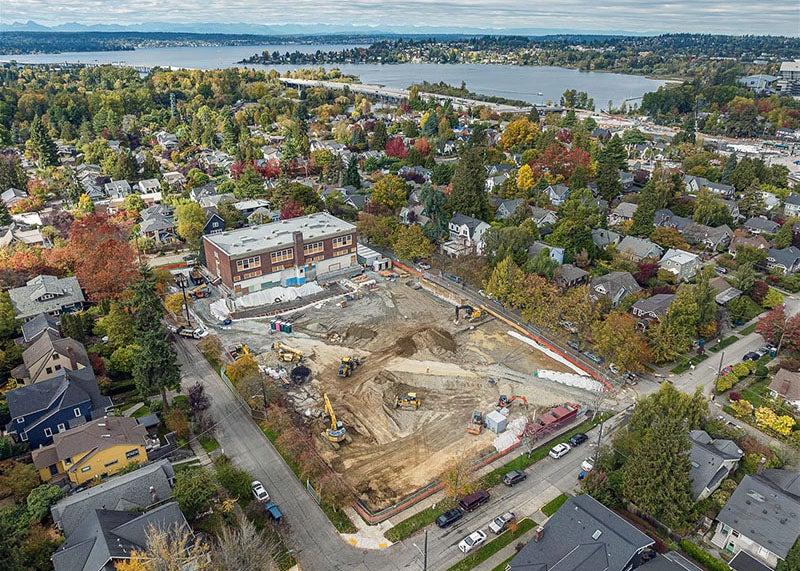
(777, 17)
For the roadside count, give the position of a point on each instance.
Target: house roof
(743, 561)
(156, 222)
(793, 199)
(766, 508)
(464, 220)
(787, 384)
(135, 490)
(36, 326)
(602, 237)
(570, 273)
(762, 224)
(95, 435)
(108, 534)
(669, 562)
(70, 388)
(707, 456)
(657, 304)
(680, 257)
(625, 209)
(29, 299)
(639, 247)
(582, 535)
(614, 282)
(49, 342)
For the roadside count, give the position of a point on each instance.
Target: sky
(775, 17)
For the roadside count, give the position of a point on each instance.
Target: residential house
(263, 215)
(247, 207)
(602, 134)
(543, 217)
(13, 195)
(762, 517)
(709, 237)
(158, 227)
(785, 259)
(507, 208)
(556, 254)
(496, 181)
(466, 236)
(695, 183)
(739, 240)
(214, 200)
(761, 225)
(557, 193)
(653, 308)
(214, 222)
(107, 537)
(613, 286)
(791, 206)
(16, 233)
(139, 490)
(771, 202)
(117, 189)
(357, 201)
(724, 292)
(785, 385)
(637, 249)
(38, 325)
(48, 355)
(96, 449)
(583, 535)
(46, 294)
(681, 263)
(198, 192)
(174, 179)
(40, 410)
(602, 237)
(733, 209)
(627, 180)
(148, 186)
(166, 140)
(623, 212)
(567, 276)
(712, 461)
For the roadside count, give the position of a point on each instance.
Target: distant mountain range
(295, 29)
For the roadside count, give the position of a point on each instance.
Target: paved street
(316, 543)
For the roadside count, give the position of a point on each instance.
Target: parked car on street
(499, 524)
(751, 356)
(474, 500)
(259, 492)
(472, 541)
(578, 439)
(273, 511)
(592, 357)
(560, 450)
(514, 477)
(449, 517)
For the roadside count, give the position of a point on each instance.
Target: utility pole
(182, 284)
(719, 367)
(425, 556)
(599, 439)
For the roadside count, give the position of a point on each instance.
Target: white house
(681, 263)
(466, 236)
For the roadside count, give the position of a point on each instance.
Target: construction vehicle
(471, 313)
(196, 275)
(348, 365)
(200, 291)
(407, 401)
(286, 353)
(337, 433)
(475, 425)
(505, 401)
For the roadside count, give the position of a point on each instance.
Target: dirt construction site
(407, 342)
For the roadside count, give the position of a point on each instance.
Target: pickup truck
(273, 511)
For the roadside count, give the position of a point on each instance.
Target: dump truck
(408, 401)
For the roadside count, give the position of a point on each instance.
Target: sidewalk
(510, 549)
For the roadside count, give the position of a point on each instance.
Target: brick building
(286, 253)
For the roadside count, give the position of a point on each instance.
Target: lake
(514, 82)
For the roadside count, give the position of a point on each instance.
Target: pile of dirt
(436, 341)
(359, 333)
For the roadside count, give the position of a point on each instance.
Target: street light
(423, 553)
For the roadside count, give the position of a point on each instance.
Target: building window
(248, 263)
(61, 427)
(55, 356)
(86, 468)
(48, 431)
(132, 453)
(20, 420)
(281, 255)
(49, 370)
(68, 461)
(24, 436)
(313, 248)
(77, 412)
(342, 241)
(109, 464)
(57, 367)
(249, 275)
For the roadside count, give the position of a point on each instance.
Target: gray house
(654, 307)
(47, 294)
(613, 286)
(785, 259)
(583, 535)
(761, 225)
(637, 249)
(712, 462)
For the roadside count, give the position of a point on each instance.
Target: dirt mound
(436, 341)
(360, 333)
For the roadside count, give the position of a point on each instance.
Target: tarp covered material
(511, 436)
(219, 309)
(552, 354)
(277, 295)
(571, 380)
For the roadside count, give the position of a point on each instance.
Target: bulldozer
(408, 401)
(348, 365)
(475, 425)
(337, 433)
(505, 401)
(200, 291)
(471, 313)
(286, 353)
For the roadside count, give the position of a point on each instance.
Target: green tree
(190, 220)
(8, 320)
(608, 181)
(194, 489)
(351, 176)
(411, 243)
(710, 209)
(389, 192)
(578, 216)
(123, 360)
(617, 339)
(752, 202)
(656, 194)
(468, 196)
(249, 184)
(744, 278)
(5, 215)
(230, 215)
(506, 280)
(156, 367)
(41, 144)
(118, 325)
(614, 151)
(501, 242)
(379, 136)
(434, 203)
(542, 264)
(792, 561)
(41, 498)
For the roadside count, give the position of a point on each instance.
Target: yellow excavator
(348, 365)
(286, 353)
(337, 433)
(407, 401)
(471, 313)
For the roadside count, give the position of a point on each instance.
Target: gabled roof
(464, 220)
(582, 535)
(639, 247)
(762, 224)
(28, 300)
(49, 342)
(707, 456)
(787, 384)
(786, 257)
(135, 490)
(69, 388)
(36, 326)
(656, 304)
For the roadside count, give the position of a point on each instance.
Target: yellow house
(93, 450)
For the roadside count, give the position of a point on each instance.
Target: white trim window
(77, 412)
(48, 431)
(248, 263)
(61, 427)
(23, 436)
(278, 256)
(342, 241)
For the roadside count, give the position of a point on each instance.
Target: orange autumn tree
(102, 257)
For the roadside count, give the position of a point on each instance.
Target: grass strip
(209, 443)
(503, 565)
(553, 505)
(728, 341)
(485, 552)
(749, 329)
(419, 520)
(703, 557)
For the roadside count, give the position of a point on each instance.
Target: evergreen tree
(351, 176)
(42, 146)
(145, 303)
(434, 203)
(533, 114)
(469, 188)
(656, 194)
(614, 151)
(12, 175)
(608, 181)
(379, 136)
(5, 216)
(752, 202)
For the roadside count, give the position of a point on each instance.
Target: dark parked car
(514, 477)
(449, 518)
(578, 439)
(751, 356)
(592, 357)
(474, 500)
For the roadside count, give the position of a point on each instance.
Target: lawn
(728, 341)
(424, 518)
(477, 557)
(143, 411)
(749, 329)
(686, 363)
(756, 393)
(209, 443)
(553, 505)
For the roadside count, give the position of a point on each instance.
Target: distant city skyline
(778, 17)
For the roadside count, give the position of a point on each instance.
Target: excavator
(471, 313)
(337, 433)
(475, 425)
(286, 353)
(505, 401)
(348, 365)
(407, 401)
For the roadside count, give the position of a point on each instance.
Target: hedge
(703, 557)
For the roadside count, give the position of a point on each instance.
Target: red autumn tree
(791, 335)
(395, 147)
(422, 146)
(291, 209)
(103, 258)
(560, 161)
(772, 325)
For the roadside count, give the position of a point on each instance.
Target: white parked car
(587, 465)
(472, 541)
(259, 492)
(560, 450)
(500, 523)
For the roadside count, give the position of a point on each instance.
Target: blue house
(57, 404)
